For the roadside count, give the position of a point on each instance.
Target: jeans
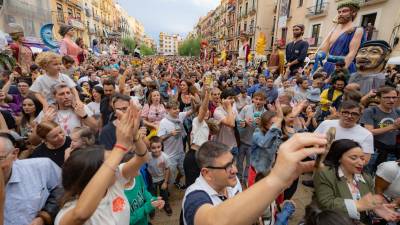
(156, 187)
(244, 152)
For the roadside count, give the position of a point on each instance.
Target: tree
(145, 50)
(129, 44)
(190, 47)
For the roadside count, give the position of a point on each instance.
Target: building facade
(31, 15)
(168, 44)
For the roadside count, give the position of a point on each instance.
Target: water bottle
(287, 211)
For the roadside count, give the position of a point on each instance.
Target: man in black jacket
(296, 51)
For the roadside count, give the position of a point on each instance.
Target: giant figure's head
(373, 56)
(347, 11)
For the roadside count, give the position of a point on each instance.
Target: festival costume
(341, 47)
(68, 47)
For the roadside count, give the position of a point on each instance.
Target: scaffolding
(30, 14)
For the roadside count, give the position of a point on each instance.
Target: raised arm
(247, 206)
(89, 200)
(204, 106)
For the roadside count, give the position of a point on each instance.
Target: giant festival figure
(345, 38)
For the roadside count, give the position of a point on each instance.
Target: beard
(297, 35)
(344, 19)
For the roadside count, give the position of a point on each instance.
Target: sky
(169, 16)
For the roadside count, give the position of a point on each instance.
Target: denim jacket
(264, 148)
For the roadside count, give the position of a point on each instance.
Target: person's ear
(15, 153)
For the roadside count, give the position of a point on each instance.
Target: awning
(394, 60)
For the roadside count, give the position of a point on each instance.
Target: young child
(158, 167)
(171, 132)
(42, 86)
(265, 143)
(81, 137)
(249, 118)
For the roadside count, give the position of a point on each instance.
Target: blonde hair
(44, 58)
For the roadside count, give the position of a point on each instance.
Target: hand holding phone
(330, 136)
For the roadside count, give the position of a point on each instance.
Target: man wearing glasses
(32, 186)
(347, 127)
(383, 121)
(217, 181)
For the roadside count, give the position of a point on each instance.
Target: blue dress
(341, 47)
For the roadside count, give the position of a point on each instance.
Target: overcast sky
(170, 16)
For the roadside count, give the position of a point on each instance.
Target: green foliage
(145, 50)
(129, 44)
(190, 47)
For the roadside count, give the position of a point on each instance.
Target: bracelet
(141, 155)
(110, 167)
(123, 148)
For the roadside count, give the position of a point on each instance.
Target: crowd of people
(105, 138)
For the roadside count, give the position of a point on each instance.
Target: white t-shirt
(390, 172)
(357, 133)
(173, 146)
(157, 167)
(94, 108)
(200, 132)
(67, 119)
(113, 209)
(44, 84)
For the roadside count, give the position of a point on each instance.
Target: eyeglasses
(228, 167)
(352, 114)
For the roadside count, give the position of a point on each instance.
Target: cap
(380, 43)
(64, 29)
(351, 4)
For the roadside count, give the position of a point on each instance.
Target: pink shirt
(68, 47)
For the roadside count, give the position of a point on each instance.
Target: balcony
(317, 11)
(370, 2)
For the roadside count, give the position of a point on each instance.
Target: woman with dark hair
(97, 96)
(31, 107)
(343, 186)
(94, 181)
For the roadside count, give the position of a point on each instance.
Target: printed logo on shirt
(385, 122)
(118, 204)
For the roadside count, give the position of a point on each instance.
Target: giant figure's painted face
(370, 57)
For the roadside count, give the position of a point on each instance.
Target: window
(315, 34)
(300, 3)
(245, 27)
(254, 4)
(60, 13)
(70, 12)
(245, 11)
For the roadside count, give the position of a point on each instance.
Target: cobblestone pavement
(301, 198)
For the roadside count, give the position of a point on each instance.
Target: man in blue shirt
(32, 186)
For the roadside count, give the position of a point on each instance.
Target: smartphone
(330, 136)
